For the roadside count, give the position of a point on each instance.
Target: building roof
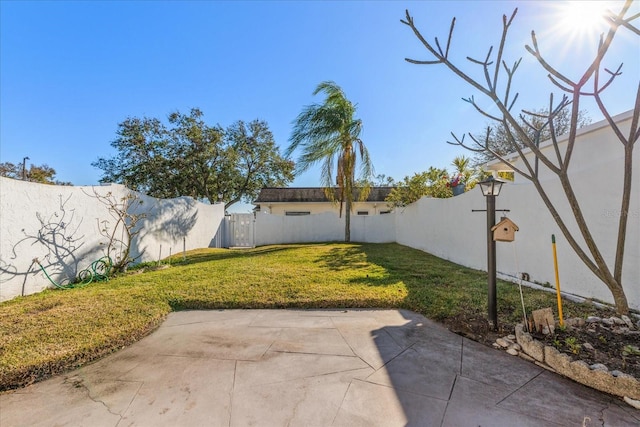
(311, 195)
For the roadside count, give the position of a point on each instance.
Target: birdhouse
(504, 231)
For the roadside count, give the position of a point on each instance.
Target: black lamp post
(491, 189)
(24, 168)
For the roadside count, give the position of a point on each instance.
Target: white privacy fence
(61, 226)
(324, 227)
(447, 228)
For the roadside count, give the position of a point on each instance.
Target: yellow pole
(555, 266)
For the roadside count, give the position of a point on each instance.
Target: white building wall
(60, 225)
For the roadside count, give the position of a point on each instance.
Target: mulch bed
(608, 346)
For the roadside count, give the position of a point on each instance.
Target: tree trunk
(619, 297)
(347, 221)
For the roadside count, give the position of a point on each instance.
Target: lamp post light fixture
(491, 189)
(24, 168)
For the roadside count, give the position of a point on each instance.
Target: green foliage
(573, 344)
(506, 175)
(464, 173)
(190, 158)
(44, 174)
(329, 134)
(409, 190)
(380, 180)
(631, 350)
(434, 182)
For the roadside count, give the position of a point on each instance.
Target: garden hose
(98, 271)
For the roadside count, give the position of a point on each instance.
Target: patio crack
(231, 392)
(344, 397)
(76, 382)
(520, 388)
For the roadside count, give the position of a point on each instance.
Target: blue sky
(71, 71)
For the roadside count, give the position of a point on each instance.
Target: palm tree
(329, 134)
(466, 174)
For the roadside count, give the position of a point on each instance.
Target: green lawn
(58, 330)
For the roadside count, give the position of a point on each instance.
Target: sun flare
(584, 17)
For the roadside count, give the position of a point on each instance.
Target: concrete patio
(309, 368)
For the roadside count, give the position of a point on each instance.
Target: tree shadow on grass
(392, 263)
(206, 255)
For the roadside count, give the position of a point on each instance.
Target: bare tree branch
(519, 138)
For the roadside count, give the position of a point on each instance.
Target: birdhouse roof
(505, 222)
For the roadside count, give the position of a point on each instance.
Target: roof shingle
(311, 195)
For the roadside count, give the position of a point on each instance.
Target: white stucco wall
(448, 229)
(60, 225)
(322, 227)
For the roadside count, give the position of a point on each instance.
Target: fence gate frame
(242, 227)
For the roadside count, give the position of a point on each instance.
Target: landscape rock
(627, 321)
(632, 402)
(593, 319)
(621, 330)
(512, 351)
(574, 322)
(618, 321)
(511, 337)
(608, 322)
(502, 342)
(597, 376)
(515, 346)
(587, 346)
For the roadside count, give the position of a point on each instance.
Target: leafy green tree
(438, 183)
(408, 191)
(429, 183)
(187, 157)
(256, 156)
(495, 86)
(329, 133)
(380, 180)
(44, 174)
